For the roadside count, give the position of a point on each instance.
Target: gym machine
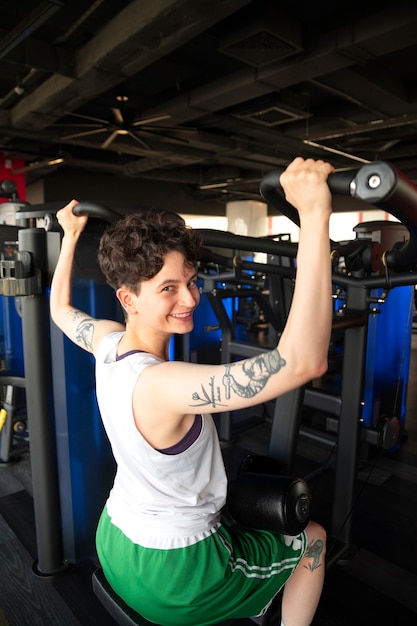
(71, 461)
(67, 453)
(367, 278)
(13, 417)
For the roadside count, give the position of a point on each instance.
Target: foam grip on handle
(268, 502)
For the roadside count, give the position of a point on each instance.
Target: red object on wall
(7, 166)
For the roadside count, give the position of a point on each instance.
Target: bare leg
(303, 590)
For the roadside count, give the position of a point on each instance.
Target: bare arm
(302, 351)
(80, 327)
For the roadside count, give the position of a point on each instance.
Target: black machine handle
(91, 209)
(96, 210)
(377, 183)
(271, 191)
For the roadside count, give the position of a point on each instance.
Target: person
(161, 539)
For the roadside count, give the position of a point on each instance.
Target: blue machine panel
(11, 351)
(388, 358)
(85, 462)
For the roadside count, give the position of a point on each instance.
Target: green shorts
(233, 573)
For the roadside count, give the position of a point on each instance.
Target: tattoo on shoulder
(253, 377)
(84, 330)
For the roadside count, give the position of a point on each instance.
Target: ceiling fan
(120, 126)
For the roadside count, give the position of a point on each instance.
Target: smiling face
(165, 303)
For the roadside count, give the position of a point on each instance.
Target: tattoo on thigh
(254, 375)
(314, 551)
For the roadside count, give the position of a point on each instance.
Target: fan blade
(150, 120)
(118, 116)
(75, 125)
(139, 140)
(110, 139)
(85, 133)
(89, 117)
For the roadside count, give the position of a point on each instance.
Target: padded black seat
(119, 610)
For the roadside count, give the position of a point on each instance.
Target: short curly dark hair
(133, 249)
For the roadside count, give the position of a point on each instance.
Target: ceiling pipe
(392, 122)
(29, 25)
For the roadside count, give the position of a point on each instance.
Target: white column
(247, 217)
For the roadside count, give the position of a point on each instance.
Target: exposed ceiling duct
(238, 84)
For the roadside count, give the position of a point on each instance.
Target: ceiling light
(35, 165)
(224, 183)
(313, 144)
(213, 186)
(55, 161)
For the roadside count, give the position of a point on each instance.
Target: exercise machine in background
(362, 398)
(13, 417)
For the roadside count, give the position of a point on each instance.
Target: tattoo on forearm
(85, 329)
(257, 371)
(314, 550)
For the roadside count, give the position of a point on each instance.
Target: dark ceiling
(211, 94)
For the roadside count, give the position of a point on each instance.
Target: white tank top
(158, 500)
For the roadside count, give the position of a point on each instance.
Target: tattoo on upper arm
(314, 551)
(257, 371)
(84, 330)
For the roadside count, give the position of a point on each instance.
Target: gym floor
(374, 584)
